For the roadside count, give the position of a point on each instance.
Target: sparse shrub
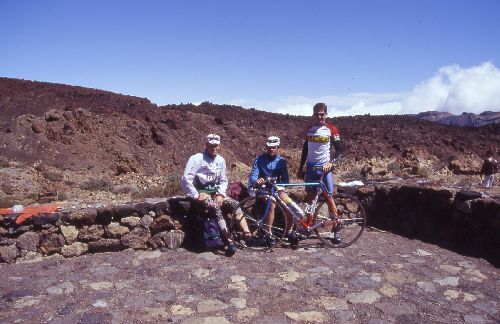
(96, 185)
(32, 196)
(4, 163)
(6, 202)
(151, 192)
(351, 175)
(424, 172)
(173, 185)
(394, 167)
(439, 152)
(53, 176)
(171, 188)
(125, 189)
(62, 196)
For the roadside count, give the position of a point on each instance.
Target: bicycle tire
(351, 221)
(252, 212)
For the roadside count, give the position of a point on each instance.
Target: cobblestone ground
(382, 279)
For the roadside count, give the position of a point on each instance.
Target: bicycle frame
(335, 220)
(304, 222)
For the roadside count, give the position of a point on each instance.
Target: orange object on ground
(29, 212)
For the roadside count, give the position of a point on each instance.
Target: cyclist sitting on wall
(205, 173)
(317, 152)
(270, 164)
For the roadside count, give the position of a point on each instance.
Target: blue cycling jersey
(268, 166)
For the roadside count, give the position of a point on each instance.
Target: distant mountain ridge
(465, 119)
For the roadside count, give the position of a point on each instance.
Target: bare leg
(270, 217)
(289, 218)
(331, 205)
(329, 201)
(310, 197)
(242, 222)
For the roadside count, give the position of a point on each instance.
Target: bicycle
(348, 218)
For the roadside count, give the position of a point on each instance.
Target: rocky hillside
(62, 136)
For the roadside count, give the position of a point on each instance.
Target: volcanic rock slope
(81, 129)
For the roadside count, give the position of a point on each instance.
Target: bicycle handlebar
(271, 181)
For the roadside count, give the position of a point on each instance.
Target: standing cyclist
(317, 152)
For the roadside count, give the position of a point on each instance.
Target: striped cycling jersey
(319, 141)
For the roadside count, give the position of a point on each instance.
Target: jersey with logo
(319, 139)
(204, 172)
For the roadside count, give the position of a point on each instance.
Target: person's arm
(339, 150)
(188, 177)
(303, 158)
(221, 190)
(284, 172)
(254, 173)
(336, 146)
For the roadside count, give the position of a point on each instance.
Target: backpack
(210, 233)
(237, 190)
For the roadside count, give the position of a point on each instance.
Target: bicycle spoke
(346, 228)
(262, 238)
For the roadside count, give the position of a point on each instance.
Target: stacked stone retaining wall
(463, 221)
(73, 232)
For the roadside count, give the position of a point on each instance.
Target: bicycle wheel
(262, 239)
(350, 223)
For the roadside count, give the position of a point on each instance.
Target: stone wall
(462, 221)
(73, 232)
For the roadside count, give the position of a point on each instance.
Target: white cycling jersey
(201, 172)
(319, 140)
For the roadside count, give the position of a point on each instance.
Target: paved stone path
(382, 279)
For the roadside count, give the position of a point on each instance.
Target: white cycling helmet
(273, 141)
(213, 139)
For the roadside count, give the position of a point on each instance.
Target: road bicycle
(346, 216)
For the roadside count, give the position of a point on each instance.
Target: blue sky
(378, 56)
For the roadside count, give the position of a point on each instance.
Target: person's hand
(260, 181)
(203, 196)
(327, 166)
(219, 199)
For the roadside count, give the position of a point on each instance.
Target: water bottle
(294, 208)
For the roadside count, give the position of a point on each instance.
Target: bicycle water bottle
(294, 208)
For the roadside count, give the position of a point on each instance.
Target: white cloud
(456, 90)
(354, 104)
(452, 89)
